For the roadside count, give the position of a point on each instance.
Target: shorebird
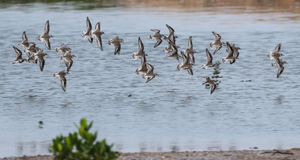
(19, 58)
(40, 57)
(150, 74)
(140, 53)
(216, 43)
(185, 64)
(275, 53)
(88, 32)
(25, 42)
(143, 69)
(156, 36)
(211, 83)
(30, 52)
(209, 62)
(172, 38)
(63, 80)
(230, 56)
(117, 43)
(236, 52)
(67, 57)
(45, 36)
(97, 33)
(190, 50)
(278, 62)
(174, 54)
(63, 49)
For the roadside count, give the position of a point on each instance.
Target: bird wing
(217, 36)
(88, 24)
(141, 45)
(155, 30)
(209, 57)
(63, 82)
(24, 37)
(99, 42)
(42, 63)
(97, 26)
(18, 52)
(277, 48)
(213, 87)
(158, 42)
(47, 43)
(150, 67)
(47, 28)
(190, 45)
(117, 48)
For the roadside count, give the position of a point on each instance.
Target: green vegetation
(81, 145)
(217, 71)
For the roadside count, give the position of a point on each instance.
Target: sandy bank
(290, 154)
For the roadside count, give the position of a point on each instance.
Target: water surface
(172, 112)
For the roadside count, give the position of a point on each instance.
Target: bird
(40, 57)
(275, 52)
(211, 83)
(63, 49)
(172, 38)
(236, 52)
(88, 32)
(67, 58)
(143, 69)
(45, 36)
(156, 35)
(117, 43)
(209, 62)
(149, 75)
(185, 64)
(230, 56)
(19, 58)
(278, 62)
(190, 50)
(97, 33)
(174, 54)
(140, 51)
(63, 80)
(216, 43)
(25, 42)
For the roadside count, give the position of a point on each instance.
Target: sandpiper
(67, 57)
(98, 34)
(275, 53)
(30, 52)
(19, 58)
(236, 52)
(185, 64)
(40, 57)
(140, 51)
(63, 49)
(230, 56)
(156, 36)
(117, 43)
(171, 37)
(211, 83)
(190, 50)
(45, 36)
(61, 75)
(174, 54)
(216, 43)
(88, 32)
(143, 69)
(25, 42)
(150, 74)
(209, 62)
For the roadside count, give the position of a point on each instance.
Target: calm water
(172, 112)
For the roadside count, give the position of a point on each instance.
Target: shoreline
(285, 154)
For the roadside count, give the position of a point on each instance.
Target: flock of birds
(35, 54)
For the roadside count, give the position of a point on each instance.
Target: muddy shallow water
(174, 111)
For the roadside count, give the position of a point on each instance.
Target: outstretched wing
(141, 45)
(150, 68)
(18, 52)
(190, 45)
(63, 81)
(217, 36)
(209, 57)
(158, 42)
(277, 48)
(24, 37)
(47, 28)
(88, 24)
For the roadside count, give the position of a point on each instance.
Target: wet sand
(290, 154)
